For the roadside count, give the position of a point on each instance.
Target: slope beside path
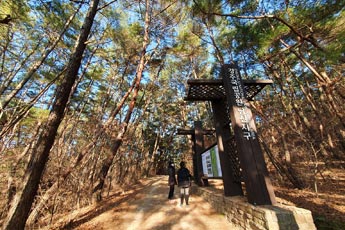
(148, 208)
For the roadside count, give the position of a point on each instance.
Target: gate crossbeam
(213, 89)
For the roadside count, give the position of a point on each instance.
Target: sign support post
(198, 150)
(258, 185)
(232, 185)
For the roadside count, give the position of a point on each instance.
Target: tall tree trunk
(287, 171)
(124, 125)
(323, 81)
(284, 168)
(48, 193)
(23, 200)
(12, 186)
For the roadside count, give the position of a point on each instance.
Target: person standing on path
(171, 180)
(184, 182)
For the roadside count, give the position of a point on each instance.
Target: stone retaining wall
(243, 215)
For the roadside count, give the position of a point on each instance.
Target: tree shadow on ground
(105, 205)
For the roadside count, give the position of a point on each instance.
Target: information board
(211, 163)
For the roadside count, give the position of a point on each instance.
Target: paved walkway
(149, 208)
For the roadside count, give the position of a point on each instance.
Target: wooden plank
(231, 186)
(258, 185)
(199, 149)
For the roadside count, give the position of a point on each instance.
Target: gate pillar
(198, 150)
(258, 185)
(229, 165)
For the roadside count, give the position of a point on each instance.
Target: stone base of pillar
(243, 215)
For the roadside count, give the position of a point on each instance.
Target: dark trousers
(171, 191)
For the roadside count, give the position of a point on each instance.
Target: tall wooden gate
(239, 149)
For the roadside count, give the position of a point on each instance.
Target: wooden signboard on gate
(258, 184)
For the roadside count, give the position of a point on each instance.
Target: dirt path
(150, 209)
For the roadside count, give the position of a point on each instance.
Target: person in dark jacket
(171, 180)
(184, 182)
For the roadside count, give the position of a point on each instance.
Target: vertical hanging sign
(243, 112)
(241, 116)
(258, 185)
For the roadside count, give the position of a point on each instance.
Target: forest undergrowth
(324, 197)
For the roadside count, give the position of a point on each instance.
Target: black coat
(183, 177)
(172, 177)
